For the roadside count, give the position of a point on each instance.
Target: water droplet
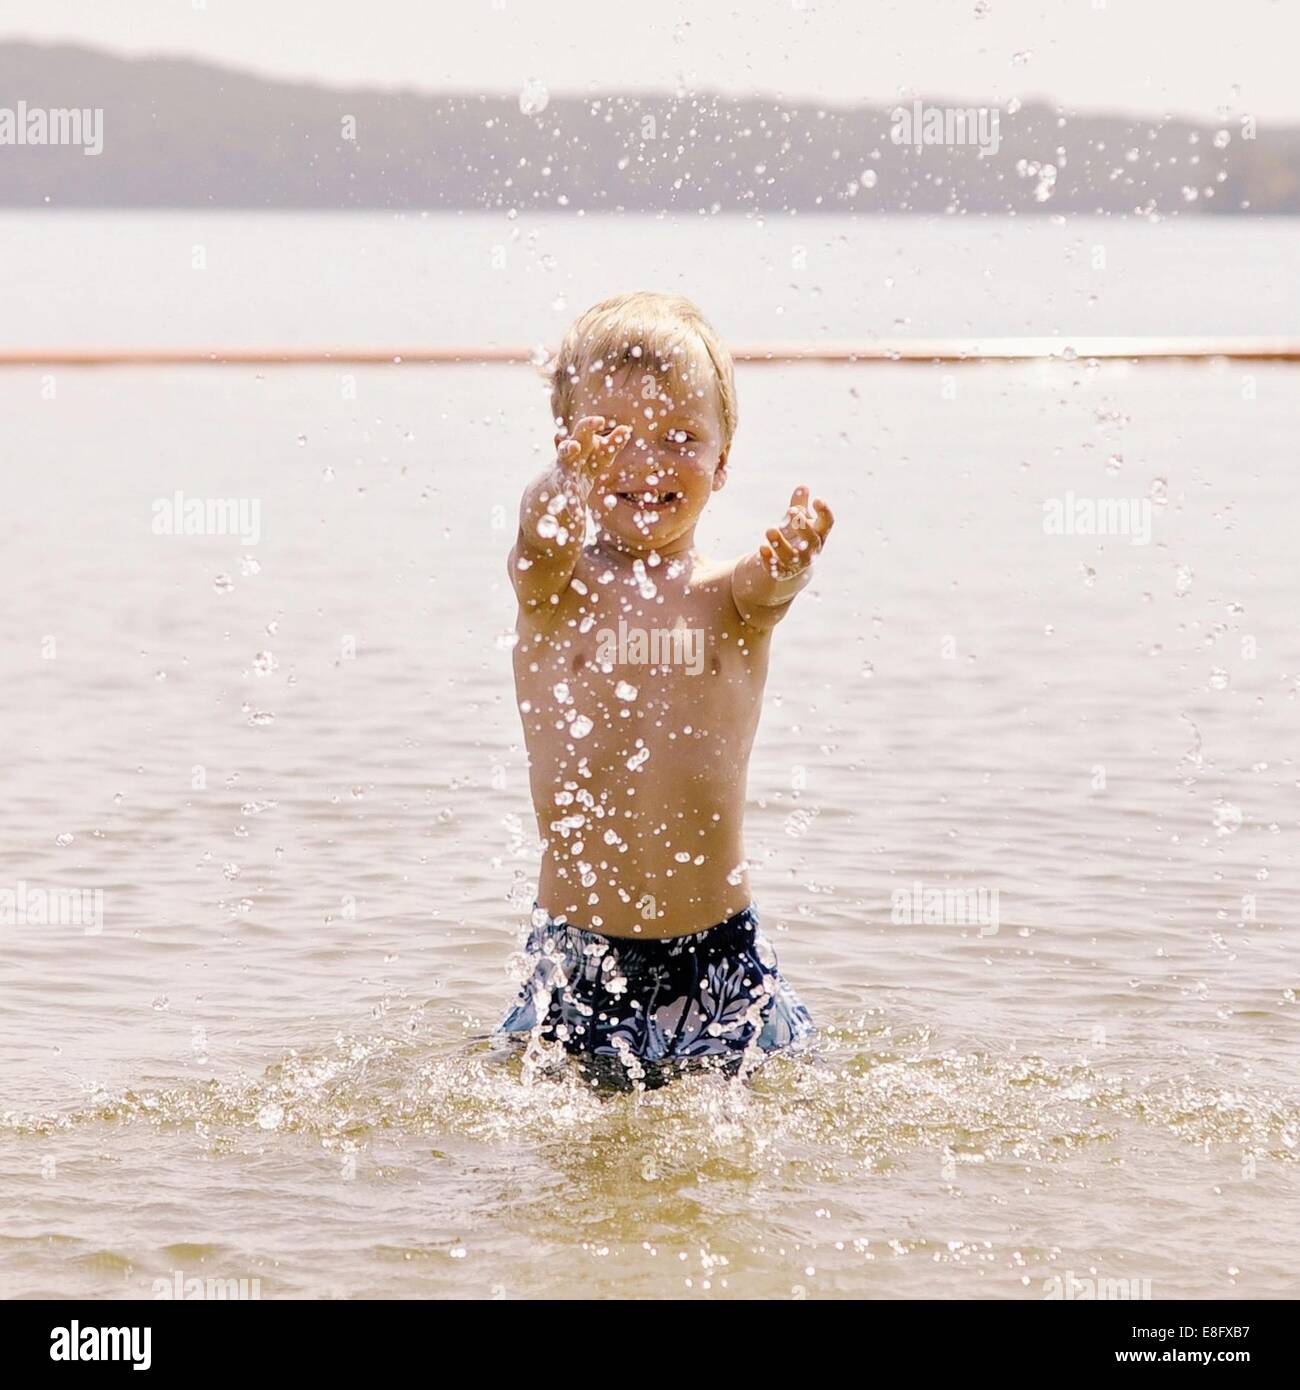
(534, 97)
(645, 585)
(223, 583)
(64, 840)
(1218, 679)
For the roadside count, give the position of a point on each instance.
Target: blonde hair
(659, 333)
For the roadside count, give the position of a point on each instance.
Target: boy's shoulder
(712, 580)
(707, 571)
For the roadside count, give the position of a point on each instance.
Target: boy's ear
(720, 472)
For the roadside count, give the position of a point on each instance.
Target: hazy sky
(1191, 56)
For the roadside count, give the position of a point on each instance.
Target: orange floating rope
(916, 350)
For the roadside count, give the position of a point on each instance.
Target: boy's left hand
(789, 548)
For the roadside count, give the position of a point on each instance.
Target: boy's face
(653, 492)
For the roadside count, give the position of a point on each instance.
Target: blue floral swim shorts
(639, 1010)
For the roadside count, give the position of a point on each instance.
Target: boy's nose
(641, 452)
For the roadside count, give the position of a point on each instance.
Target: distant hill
(181, 134)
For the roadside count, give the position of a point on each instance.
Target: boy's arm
(553, 513)
(764, 583)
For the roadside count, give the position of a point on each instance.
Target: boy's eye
(681, 436)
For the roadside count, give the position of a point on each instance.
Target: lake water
(293, 770)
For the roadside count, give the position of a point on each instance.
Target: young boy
(639, 673)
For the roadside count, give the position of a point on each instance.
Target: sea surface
(291, 766)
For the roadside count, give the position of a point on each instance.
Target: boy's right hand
(586, 453)
(553, 513)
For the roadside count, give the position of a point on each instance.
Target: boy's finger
(612, 442)
(824, 518)
(601, 460)
(785, 551)
(798, 502)
(773, 559)
(807, 541)
(801, 530)
(585, 430)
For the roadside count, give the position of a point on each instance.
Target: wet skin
(638, 756)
